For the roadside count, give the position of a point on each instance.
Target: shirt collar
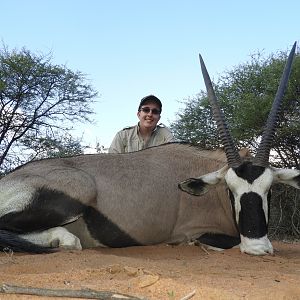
(138, 127)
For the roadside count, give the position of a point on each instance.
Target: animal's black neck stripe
(249, 172)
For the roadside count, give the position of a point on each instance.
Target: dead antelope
(121, 200)
(248, 182)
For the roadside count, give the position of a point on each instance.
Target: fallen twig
(84, 293)
(205, 250)
(189, 296)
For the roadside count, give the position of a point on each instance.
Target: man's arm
(167, 134)
(169, 137)
(117, 145)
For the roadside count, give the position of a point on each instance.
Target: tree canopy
(39, 104)
(246, 94)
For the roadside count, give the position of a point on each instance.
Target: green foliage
(195, 124)
(39, 101)
(246, 94)
(60, 146)
(171, 294)
(285, 213)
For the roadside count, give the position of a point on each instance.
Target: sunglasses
(154, 111)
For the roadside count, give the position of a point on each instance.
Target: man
(146, 133)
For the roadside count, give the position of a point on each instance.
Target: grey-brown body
(137, 192)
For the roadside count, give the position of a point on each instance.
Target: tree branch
(84, 293)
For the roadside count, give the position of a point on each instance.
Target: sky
(132, 48)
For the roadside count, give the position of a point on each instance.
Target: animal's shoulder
(217, 154)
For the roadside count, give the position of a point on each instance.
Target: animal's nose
(260, 246)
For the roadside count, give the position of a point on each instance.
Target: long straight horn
(233, 157)
(263, 152)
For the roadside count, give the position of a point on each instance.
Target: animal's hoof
(71, 243)
(64, 239)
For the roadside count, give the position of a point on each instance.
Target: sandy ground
(160, 272)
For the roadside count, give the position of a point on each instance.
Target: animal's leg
(54, 237)
(218, 241)
(45, 209)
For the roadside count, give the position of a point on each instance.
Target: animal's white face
(249, 184)
(249, 191)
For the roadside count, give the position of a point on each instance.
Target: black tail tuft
(10, 241)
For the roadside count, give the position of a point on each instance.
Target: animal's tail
(10, 241)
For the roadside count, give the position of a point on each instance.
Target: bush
(284, 221)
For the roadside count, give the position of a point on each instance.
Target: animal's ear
(194, 186)
(199, 186)
(287, 176)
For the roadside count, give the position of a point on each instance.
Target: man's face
(149, 115)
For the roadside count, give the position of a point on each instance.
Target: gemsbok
(121, 200)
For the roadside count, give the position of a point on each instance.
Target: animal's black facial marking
(232, 201)
(105, 231)
(297, 178)
(252, 222)
(249, 172)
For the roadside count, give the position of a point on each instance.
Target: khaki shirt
(128, 139)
